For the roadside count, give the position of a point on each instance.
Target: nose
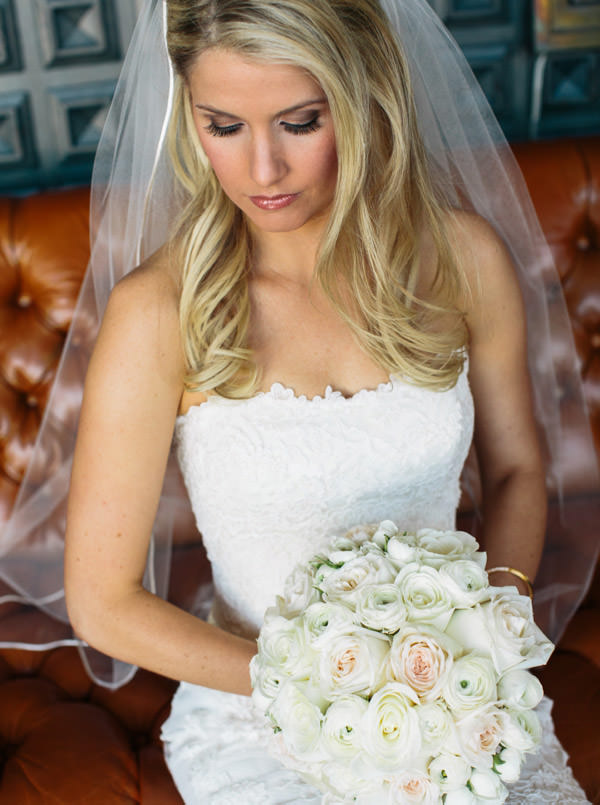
(268, 164)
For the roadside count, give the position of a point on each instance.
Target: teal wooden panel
(10, 51)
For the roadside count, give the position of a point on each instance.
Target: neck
(289, 255)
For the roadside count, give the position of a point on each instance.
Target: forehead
(228, 80)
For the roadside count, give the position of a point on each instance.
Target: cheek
(222, 161)
(325, 163)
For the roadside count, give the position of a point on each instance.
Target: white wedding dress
(268, 479)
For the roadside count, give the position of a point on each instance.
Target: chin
(286, 220)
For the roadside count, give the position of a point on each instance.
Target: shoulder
(142, 315)
(481, 253)
(488, 270)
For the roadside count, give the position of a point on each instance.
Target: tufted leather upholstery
(64, 739)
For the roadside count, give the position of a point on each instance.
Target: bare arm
(512, 473)
(131, 399)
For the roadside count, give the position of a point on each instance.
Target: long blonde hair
(384, 199)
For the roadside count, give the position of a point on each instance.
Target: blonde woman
(324, 331)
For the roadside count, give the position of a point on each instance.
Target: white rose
(480, 734)
(504, 629)
(425, 597)
(421, 656)
(282, 645)
(522, 729)
(413, 787)
(466, 582)
(391, 734)
(380, 607)
(520, 689)
(507, 763)
(487, 786)
(323, 619)
(298, 592)
(402, 550)
(462, 796)
(342, 726)
(352, 663)
(298, 718)
(449, 772)
(471, 683)
(344, 584)
(437, 727)
(438, 547)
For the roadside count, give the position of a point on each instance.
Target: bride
(324, 330)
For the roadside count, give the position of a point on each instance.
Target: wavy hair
(384, 199)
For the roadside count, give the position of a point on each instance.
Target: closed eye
(222, 131)
(302, 128)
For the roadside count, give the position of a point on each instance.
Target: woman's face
(268, 134)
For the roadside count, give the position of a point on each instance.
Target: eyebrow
(287, 111)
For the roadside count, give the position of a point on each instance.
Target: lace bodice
(269, 477)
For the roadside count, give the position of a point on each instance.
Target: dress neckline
(279, 391)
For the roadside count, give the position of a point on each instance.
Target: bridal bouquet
(392, 672)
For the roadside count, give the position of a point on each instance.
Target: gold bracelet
(519, 574)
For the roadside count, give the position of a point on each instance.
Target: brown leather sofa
(66, 740)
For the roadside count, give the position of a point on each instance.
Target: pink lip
(273, 202)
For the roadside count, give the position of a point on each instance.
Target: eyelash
(291, 128)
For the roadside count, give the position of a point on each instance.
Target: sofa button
(32, 401)
(583, 243)
(595, 340)
(24, 300)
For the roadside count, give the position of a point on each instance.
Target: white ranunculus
(340, 550)
(342, 726)
(282, 645)
(384, 532)
(437, 727)
(421, 656)
(504, 629)
(522, 729)
(413, 788)
(402, 550)
(346, 781)
(380, 607)
(480, 734)
(352, 663)
(462, 796)
(266, 682)
(391, 731)
(466, 582)
(323, 620)
(344, 584)
(425, 597)
(520, 688)
(471, 683)
(438, 547)
(298, 592)
(487, 787)
(362, 533)
(449, 772)
(299, 720)
(321, 572)
(508, 763)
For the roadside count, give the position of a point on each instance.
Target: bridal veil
(135, 199)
